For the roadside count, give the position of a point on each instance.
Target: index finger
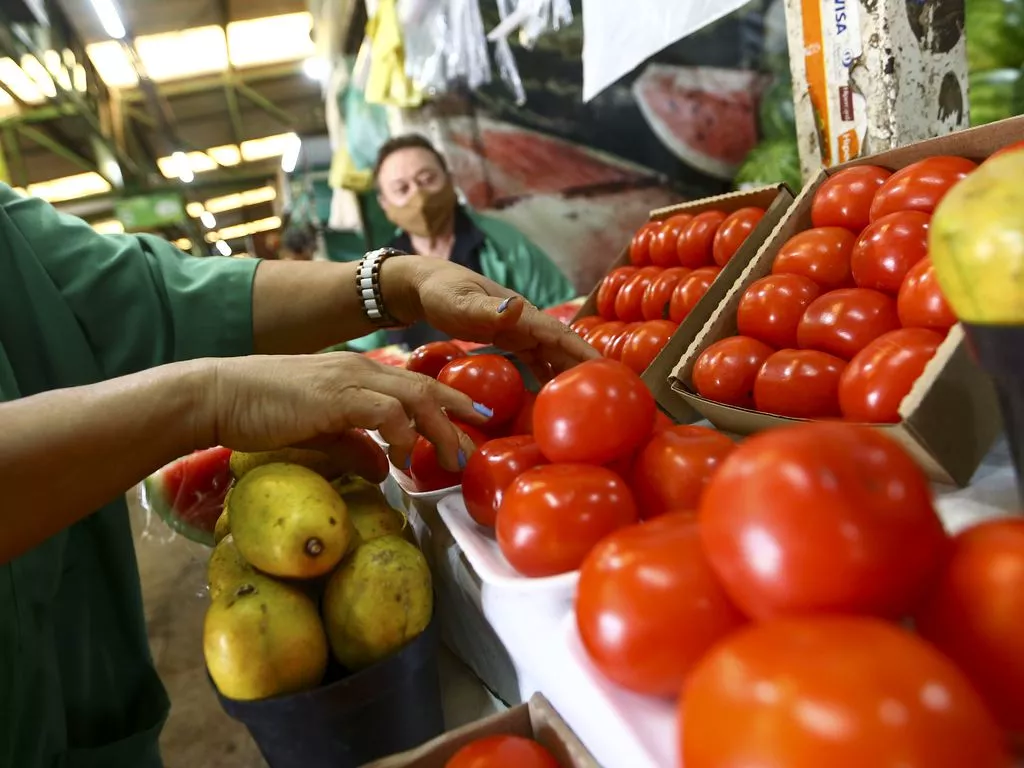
(565, 347)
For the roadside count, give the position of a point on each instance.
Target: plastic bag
(503, 58)
(444, 44)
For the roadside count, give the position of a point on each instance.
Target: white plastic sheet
(619, 36)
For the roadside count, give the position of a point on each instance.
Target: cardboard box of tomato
(869, 336)
(663, 286)
(536, 720)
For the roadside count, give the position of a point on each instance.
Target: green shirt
(77, 684)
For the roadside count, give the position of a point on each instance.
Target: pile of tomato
(672, 264)
(851, 313)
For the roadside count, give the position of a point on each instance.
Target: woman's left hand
(470, 307)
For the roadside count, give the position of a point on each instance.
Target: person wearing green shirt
(119, 354)
(417, 193)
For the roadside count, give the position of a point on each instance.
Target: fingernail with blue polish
(504, 305)
(408, 461)
(483, 410)
(462, 459)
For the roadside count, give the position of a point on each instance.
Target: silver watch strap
(368, 285)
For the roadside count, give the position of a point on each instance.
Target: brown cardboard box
(536, 719)
(951, 417)
(776, 201)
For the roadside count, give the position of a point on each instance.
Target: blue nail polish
(462, 459)
(408, 461)
(504, 305)
(483, 410)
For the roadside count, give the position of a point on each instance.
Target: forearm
(303, 307)
(68, 452)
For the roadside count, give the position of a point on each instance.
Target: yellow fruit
(264, 639)
(976, 242)
(289, 522)
(377, 601)
(369, 511)
(227, 568)
(223, 526)
(242, 463)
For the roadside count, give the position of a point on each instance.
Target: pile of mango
(306, 566)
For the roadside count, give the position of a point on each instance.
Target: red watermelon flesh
(188, 494)
(706, 116)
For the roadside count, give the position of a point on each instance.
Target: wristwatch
(368, 285)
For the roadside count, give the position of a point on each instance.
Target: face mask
(425, 214)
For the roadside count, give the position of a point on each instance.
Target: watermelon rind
(771, 162)
(995, 34)
(776, 112)
(995, 95)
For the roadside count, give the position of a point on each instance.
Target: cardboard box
(950, 418)
(536, 719)
(776, 201)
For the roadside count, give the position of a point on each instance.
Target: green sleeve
(139, 300)
(536, 277)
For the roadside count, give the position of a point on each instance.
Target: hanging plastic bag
(424, 33)
(366, 127)
(503, 58)
(467, 56)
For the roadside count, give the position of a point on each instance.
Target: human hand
(262, 403)
(470, 307)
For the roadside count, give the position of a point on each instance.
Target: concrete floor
(198, 733)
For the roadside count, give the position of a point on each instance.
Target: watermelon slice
(188, 494)
(706, 116)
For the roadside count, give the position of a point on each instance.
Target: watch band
(368, 285)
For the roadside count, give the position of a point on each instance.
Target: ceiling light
(70, 187)
(316, 68)
(290, 158)
(108, 227)
(223, 248)
(182, 167)
(109, 18)
(183, 244)
(207, 219)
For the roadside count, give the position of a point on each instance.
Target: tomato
(888, 248)
(882, 374)
(603, 335)
(920, 186)
(552, 516)
(726, 370)
(921, 303)
(648, 606)
(696, 242)
(522, 424)
(771, 308)
(609, 289)
(427, 471)
(821, 516)
(843, 322)
(644, 343)
(822, 254)
(613, 349)
(733, 232)
(585, 325)
(659, 293)
(639, 247)
(975, 614)
(492, 381)
(431, 358)
(663, 245)
(844, 199)
(1016, 146)
(670, 472)
(629, 302)
(492, 469)
(662, 422)
(689, 291)
(594, 413)
(833, 692)
(502, 751)
(799, 384)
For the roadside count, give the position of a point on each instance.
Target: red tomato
(835, 691)
(822, 254)
(490, 380)
(431, 358)
(613, 349)
(645, 342)
(733, 232)
(609, 289)
(663, 245)
(920, 186)
(771, 308)
(696, 242)
(1017, 146)
(844, 199)
(585, 325)
(670, 472)
(821, 516)
(725, 371)
(492, 469)
(427, 471)
(882, 374)
(523, 422)
(648, 606)
(659, 293)
(689, 291)
(640, 247)
(921, 303)
(975, 614)
(629, 302)
(843, 322)
(662, 422)
(594, 413)
(603, 335)
(502, 751)
(799, 384)
(552, 516)
(888, 248)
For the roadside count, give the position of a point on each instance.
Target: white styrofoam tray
(408, 485)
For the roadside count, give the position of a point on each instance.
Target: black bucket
(352, 719)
